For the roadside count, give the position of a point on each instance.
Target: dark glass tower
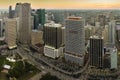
(53, 40)
(96, 52)
(11, 12)
(53, 36)
(41, 15)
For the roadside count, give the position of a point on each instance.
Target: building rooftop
(109, 46)
(74, 18)
(52, 24)
(96, 37)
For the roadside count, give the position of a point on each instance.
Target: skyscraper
(111, 32)
(111, 50)
(118, 28)
(75, 40)
(41, 15)
(23, 11)
(1, 27)
(36, 37)
(53, 40)
(36, 19)
(10, 32)
(96, 51)
(11, 12)
(105, 34)
(89, 31)
(114, 59)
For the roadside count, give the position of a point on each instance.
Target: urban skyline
(58, 43)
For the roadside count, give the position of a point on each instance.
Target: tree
(48, 76)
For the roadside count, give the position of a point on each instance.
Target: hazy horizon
(64, 4)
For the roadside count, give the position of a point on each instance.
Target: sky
(64, 4)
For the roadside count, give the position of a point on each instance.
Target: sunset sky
(64, 4)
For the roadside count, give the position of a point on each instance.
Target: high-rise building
(23, 11)
(32, 22)
(11, 12)
(96, 51)
(36, 21)
(1, 28)
(114, 59)
(41, 15)
(10, 32)
(53, 40)
(118, 32)
(75, 40)
(111, 32)
(105, 34)
(36, 37)
(63, 36)
(111, 51)
(118, 35)
(89, 31)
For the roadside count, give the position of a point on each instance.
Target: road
(40, 63)
(31, 59)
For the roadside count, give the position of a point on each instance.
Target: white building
(10, 32)
(75, 40)
(23, 11)
(113, 58)
(111, 32)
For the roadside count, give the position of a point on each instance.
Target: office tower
(92, 21)
(49, 17)
(118, 28)
(106, 61)
(11, 12)
(114, 59)
(41, 15)
(53, 40)
(36, 21)
(32, 22)
(96, 51)
(111, 32)
(111, 51)
(89, 31)
(23, 11)
(10, 32)
(105, 34)
(118, 32)
(75, 40)
(36, 37)
(1, 27)
(118, 35)
(63, 36)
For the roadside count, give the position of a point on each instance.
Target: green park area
(48, 76)
(20, 70)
